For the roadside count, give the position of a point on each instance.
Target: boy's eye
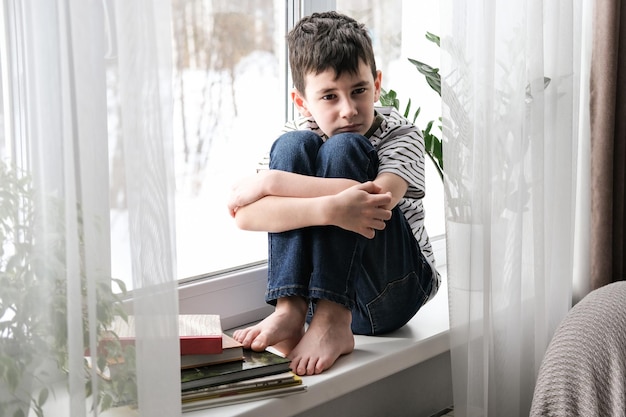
(359, 90)
(328, 97)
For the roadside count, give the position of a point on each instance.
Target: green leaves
(434, 147)
(389, 99)
(433, 38)
(39, 403)
(432, 143)
(432, 75)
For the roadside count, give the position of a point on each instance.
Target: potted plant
(460, 230)
(33, 307)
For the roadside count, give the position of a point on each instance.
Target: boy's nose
(348, 109)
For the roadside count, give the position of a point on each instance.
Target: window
(230, 88)
(230, 102)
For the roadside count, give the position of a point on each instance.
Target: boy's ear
(300, 102)
(378, 82)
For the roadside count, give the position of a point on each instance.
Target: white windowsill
(373, 359)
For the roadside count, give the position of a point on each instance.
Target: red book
(199, 333)
(232, 351)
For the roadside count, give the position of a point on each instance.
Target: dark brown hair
(328, 40)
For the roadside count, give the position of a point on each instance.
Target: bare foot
(328, 337)
(282, 329)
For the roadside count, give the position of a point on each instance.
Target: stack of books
(233, 374)
(215, 368)
(258, 375)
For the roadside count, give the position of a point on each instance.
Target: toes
(319, 367)
(307, 366)
(251, 339)
(258, 345)
(294, 366)
(245, 336)
(298, 366)
(240, 335)
(311, 368)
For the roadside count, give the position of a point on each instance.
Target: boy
(348, 252)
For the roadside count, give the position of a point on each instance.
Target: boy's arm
(283, 184)
(277, 201)
(359, 208)
(394, 184)
(288, 184)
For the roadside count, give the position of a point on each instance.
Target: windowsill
(373, 359)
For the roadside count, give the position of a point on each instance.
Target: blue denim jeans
(384, 281)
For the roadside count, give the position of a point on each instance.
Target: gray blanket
(583, 372)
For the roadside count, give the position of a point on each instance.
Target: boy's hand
(360, 209)
(246, 191)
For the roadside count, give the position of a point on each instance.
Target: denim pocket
(397, 304)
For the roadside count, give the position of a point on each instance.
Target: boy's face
(345, 104)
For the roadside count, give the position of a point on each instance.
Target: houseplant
(460, 178)
(456, 188)
(432, 142)
(33, 305)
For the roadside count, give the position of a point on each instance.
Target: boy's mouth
(349, 128)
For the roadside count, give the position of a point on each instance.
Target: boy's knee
(297, 141)
(348, 155)
(295, 151)
(347, 144)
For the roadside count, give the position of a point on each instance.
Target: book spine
(200, 345)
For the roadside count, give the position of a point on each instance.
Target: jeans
(384, 281)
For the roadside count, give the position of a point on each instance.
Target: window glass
(229, 89)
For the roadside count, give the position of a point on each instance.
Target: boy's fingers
(380, 212)
(368, 232)
(369, 186)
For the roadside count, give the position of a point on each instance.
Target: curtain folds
(145, 74)
(511, 91)
(63, 71)
(608, 144)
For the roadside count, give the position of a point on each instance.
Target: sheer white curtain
(511, 89)
(66, 65)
